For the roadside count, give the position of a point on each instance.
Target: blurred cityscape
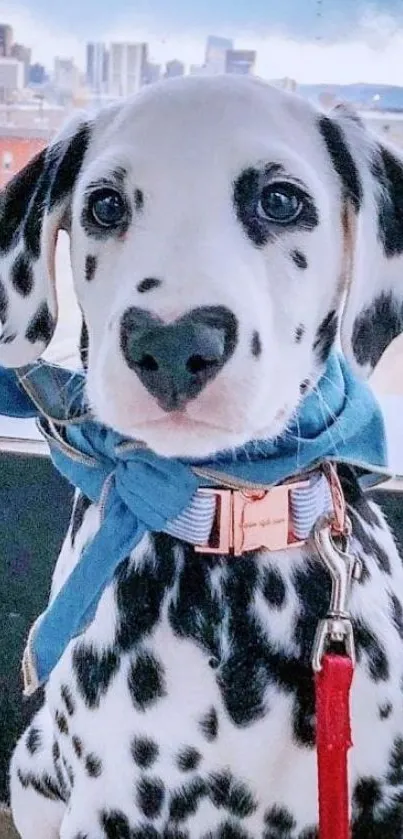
(34, 103)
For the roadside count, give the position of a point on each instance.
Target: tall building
(97, 67)
(240, 62)
(216, 54)
(37, 74)
(174, 68)
(127, 68)
(152, 73)
(11, 78)
(6, 40)
(22, 54)
(66, 77)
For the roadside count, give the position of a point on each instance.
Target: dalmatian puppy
(186, 709)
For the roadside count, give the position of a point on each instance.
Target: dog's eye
(107, 207)
(280, 203)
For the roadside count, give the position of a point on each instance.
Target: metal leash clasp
(343, 568)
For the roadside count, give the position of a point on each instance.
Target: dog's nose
(175, 361)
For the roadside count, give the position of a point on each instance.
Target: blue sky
(310, 40)
(300, 18)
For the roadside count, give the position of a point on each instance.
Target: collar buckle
(247, 520)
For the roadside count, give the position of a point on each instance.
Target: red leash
(333, 739)
(334, 673)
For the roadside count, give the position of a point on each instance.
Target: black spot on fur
(245, 674)
(274, 588)
(115, 825)
(375, 328)
(325, 336)
(77, 746)
(256, 345)
(140, 592)
(144, 751)
(279, 823)
(15, 198)
(90, 267)
(81, 505)
(375, 815)
(299, 333)
(145, 831)
(395, 770)
(228, 830)
(61, 722)
(184, 801)
(225, 791)
(209, 725)
(32, 228)
(34, 740)
(60, 777)
(342, 160)
(69, 771)
(150, 793)
(8, 338)
(94, 672)
(138, 200)
(84, 345)
(22, 276)
(367, 539)
(385, 710)
(188, 759)
(355, 497)
(44, 785)
(299, 259)
(3, 303)
(68, 700)
(41, 326)
(63, 784)
(367, 643)
(93, 765)
(397, 614)
(175, 832)
(247, 191)
(388, 172)
(197, 610)
(366, 795)
(61, 164)
(246, 198)
(66, 159)
(146, 680)
(148, 284)
(312, 587)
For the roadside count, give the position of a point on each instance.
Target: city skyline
(374, 56)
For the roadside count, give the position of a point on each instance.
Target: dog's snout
(175, 361)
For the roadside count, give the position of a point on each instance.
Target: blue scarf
(141, 491)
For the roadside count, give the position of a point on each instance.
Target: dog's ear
(34, 206)
(371, 177)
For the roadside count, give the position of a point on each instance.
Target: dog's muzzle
(175, 361)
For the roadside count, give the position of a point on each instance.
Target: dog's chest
(206, 661)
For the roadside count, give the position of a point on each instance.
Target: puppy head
(217, 227)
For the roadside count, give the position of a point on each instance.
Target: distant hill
(360, 95)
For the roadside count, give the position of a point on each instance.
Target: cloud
(371, 54)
